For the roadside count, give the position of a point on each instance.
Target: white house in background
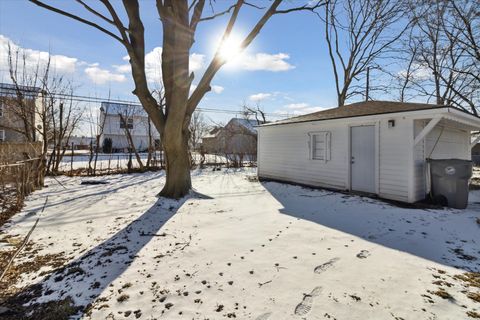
(136, 120)
(20, 113)
(375, 147)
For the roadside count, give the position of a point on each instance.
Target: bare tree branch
(75, 17)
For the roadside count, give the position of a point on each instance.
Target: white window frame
(2, 135)
(326, 137)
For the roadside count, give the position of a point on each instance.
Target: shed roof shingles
(360, 109)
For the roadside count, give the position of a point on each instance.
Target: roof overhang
(468, 121)
(455, 116)
(465, 119)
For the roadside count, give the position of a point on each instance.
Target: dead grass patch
(123, 297)
(442, 294)
(470, 279)
(475, 183)
(16, 270)
(473, 314)
(53, 310)
(475, 296)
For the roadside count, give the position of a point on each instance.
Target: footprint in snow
(324, 266)
(264, 316)
(363, 254)
(305, 305)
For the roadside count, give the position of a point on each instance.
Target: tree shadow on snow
(86, 277)
(447, 236)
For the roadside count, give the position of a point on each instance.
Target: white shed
(376, 147)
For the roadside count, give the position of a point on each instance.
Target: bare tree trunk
(150, 144)
(90, 169)
(97, 141)
(179, 24)
(177, 159)
(130, 142)
(58, 144)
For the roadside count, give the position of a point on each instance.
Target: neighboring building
(136, 121)
(375, 147)
(238, 137)
(81, 143)
(476, 152)
(20, 110)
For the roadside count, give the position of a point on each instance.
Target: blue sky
(286, 69)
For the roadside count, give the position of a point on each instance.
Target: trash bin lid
(451, 168)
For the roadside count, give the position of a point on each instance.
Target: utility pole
(368, 84)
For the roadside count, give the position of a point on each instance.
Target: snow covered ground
(244, 249)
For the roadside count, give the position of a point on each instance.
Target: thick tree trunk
(150, 144)
(178, 182)
(341, 99)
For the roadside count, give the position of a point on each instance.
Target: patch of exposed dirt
(16, 270)
(473, 314)
(469, 279)
(14, 308)
(13, 297)
(475, 181)
(10, 203)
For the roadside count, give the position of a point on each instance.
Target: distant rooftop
(249, 124)
(123, 108)
(359, 109)
(10, 90)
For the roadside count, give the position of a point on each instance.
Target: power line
(90, 99)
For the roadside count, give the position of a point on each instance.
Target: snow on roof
(123, 108)
(10, 90)
(246, 123)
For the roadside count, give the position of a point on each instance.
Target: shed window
(320, 145)
(129, 123)
(2, 135)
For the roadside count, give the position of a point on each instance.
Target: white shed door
(363, 158)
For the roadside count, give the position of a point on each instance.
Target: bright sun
(231, 48)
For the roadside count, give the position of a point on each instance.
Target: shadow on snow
(448, 237)
(86, 277)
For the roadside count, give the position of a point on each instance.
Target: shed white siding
(400, 162)
(419, 165)
(284, 154)
(395, 155)
(452, 143)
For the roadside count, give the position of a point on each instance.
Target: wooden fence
(11, 152)
(18, 180)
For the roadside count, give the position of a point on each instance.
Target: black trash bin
(449, 181)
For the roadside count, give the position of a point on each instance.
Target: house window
(320, 145)
(129, 123)
(2, 135)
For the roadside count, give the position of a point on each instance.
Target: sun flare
(231, 48)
